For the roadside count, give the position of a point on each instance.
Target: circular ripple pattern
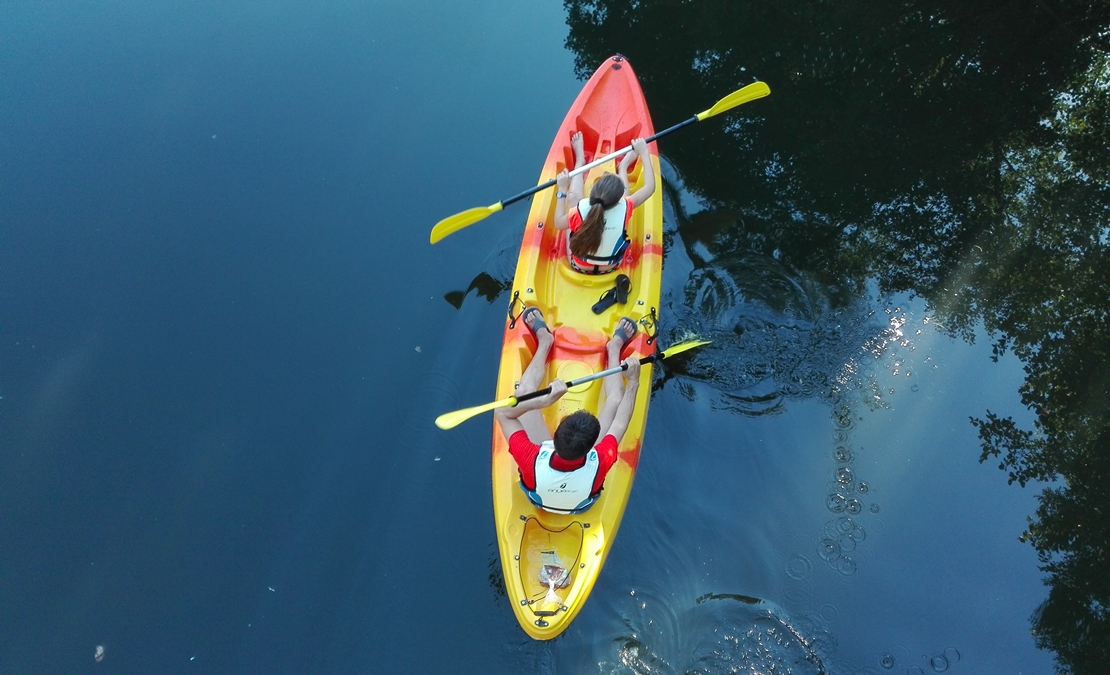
(798, 567)
(797, 598)
(828, 549)
(841, 536)
(722, 635)
(887, 660)
(438, 391)
(795, 350)
(846, 566)
(858, 534)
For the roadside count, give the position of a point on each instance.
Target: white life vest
(564, 491)
(612, 237)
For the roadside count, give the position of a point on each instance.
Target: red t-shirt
(525, 451)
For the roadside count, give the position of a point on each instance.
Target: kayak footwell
(548, 562)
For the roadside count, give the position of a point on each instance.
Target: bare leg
(614, 384)
(531, 380)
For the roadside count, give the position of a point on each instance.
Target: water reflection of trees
(958, 150)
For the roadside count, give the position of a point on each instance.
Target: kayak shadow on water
(486, 286)
(496, 275)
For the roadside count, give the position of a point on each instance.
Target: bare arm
(622, 169)
(563, 181)
(623, 415)
(572, 187)
(647, 173)
(508, 418)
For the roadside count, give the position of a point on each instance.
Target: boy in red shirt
(564, 473)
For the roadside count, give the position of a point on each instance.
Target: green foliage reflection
(958, 150)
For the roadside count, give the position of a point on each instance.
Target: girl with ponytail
(598, 225)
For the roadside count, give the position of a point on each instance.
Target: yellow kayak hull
(610, 112)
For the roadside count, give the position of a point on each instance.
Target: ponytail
(588, 237)
(605, 194)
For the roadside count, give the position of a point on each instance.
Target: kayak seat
(598, 282)
(562, 252)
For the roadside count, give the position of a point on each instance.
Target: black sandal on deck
(618, 293)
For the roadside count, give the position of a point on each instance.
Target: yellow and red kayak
(610, 112)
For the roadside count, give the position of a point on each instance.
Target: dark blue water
(224, 340)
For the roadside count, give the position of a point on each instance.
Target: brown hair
(576, 435)
(605, 194)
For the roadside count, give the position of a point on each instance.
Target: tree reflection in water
(956, 150)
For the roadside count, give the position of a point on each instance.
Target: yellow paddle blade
(739, 97)
(453, 419)
(452, 224)
(683, 346)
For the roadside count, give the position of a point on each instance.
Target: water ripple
(725, 633)
(798, 567)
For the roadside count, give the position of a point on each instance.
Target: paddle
(454, 223)
(453, 419)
